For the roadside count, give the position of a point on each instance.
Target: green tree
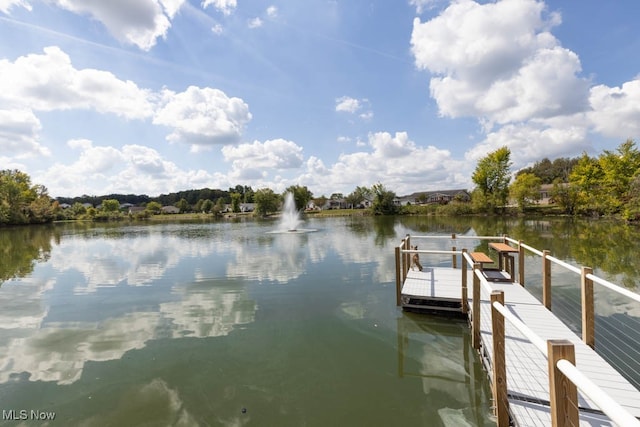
(525, 190)
(221, 205)
(619, 169)
(207, 206)
(383, 200)
(358, 196)
(492, 176)
(586, 180)
(21, 202)
(301, 196)
(266, 201)
(183, 205)
(153, 208)
(110, 205)
(565, 196)
(235, 202)
(77, 210)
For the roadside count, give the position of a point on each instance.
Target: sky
(157, 96)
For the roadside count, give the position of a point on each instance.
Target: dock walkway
(438, 289)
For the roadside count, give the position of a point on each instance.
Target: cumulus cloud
(255, 23)
(130, 169)
(616, 110)
(350, 105)
(251, 160)
(347, 104)
(48, 82)
(203, 116)
(6, 5)
(272, 11)
(422, 167)
(224, 6)
(19, 133)
(498, 61)
(139, 22)
(534, 141)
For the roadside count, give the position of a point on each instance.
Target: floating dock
(520, 372)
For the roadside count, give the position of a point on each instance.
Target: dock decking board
(527, 367)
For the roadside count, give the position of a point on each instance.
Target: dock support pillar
(563, 394)
(588, 316)
(499, 368)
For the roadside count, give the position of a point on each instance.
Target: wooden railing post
(405, 264)
(563, 394)
(498, 366)
(520, 263)
(475, 312)
(546, 279)
(588, 316)
(398, 275)
(465, 302)
(408, 256)
(454, 260)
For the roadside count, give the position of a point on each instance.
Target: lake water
(226, 323)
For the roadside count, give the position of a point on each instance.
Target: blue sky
(155, 96)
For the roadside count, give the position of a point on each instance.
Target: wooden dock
(441, 290)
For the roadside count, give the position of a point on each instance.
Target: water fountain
(290, 218)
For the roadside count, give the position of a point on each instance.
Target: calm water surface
(224, 323)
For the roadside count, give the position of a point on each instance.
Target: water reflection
(439, 352)
(190, 321)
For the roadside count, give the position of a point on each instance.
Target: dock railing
(564, 377)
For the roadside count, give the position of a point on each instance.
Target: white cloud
(139, 22)
(217, 29)
(255, 23)
(272, 11)
(616, 111)
(49, 82)
(499, 62)
(422, 167)
(224, 6)
(203, 116)
(423, 5)
(276, 154)
(19, 133)
(6, 5)
(347, 104)
(534, 141)
(132, 169)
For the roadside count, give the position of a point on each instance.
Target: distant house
(135, 209)
(247, 207)
(441, 197)
(170, 210)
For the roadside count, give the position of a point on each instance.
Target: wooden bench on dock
(481, 258)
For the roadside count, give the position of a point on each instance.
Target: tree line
(608, 184)
(605, 185)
